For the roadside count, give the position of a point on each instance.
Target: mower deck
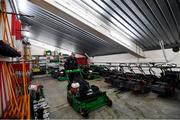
(86, 105)
(60, 78)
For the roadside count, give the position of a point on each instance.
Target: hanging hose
(161, 43)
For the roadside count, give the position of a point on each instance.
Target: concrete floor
(125, 104)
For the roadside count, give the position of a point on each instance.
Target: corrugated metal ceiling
(146, 22)
(48, 28)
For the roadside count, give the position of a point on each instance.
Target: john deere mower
(83, 97)
(62, 75)
(89, 74)
(59, 74)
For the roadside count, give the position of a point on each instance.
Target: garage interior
(93, 59)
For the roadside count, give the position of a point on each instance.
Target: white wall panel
(151, 56)
(36, 50)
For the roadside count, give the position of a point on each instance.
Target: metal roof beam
(98, 31)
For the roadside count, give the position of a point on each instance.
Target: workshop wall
(151, 56)
(36, 50)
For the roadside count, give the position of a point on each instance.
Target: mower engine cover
(74, 88)
(75, 85)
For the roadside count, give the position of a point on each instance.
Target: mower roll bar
(121, 69)
(151, 71)
(140, 66)
(130, 67)
(140, 69)
(148, 65)
(165, 67)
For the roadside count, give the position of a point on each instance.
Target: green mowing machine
(59, 75)
(62, 76)
(89, 75)
(83, 97)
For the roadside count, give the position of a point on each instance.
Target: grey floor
(125, 104)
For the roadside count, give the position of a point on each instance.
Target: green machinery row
(89, 73)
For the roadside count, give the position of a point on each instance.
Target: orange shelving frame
(14, 96)
(17, 97)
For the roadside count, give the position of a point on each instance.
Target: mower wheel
(109, 102)
(84, 113)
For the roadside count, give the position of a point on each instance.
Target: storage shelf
(7, 50)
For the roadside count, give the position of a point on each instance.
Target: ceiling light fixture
(120, 38)
(22, 5)
(43, 45)
(27, 33)
(75, 10)
(49, 47)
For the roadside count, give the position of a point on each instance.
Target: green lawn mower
(59, 75)
(89, 74)
(62, 76)
(83, 97)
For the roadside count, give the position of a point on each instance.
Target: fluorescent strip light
(43, 45)
(49, 47)
(75, 10)
(120, 38)
(22, 5)
(27, 33)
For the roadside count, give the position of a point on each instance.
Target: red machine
(82, 61)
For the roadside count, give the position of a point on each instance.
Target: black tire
(94, 88)
(84, 113)
(109, 103)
